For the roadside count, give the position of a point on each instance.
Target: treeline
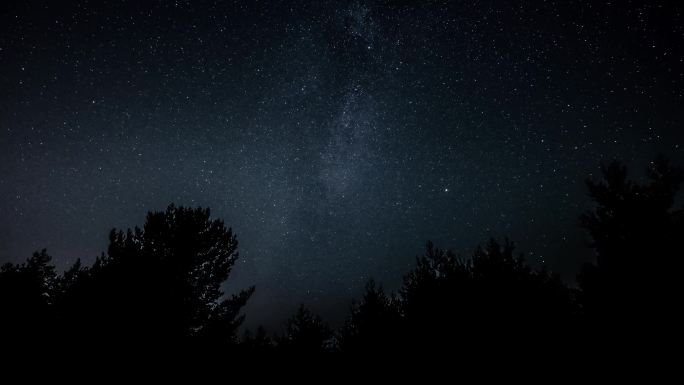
(159, 286)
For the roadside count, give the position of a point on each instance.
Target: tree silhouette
(160, 285)
(374, 324)
(258, 342)
(637, 235)
(306, 333)
(506, 288)
(491, 298)
(27, 292)
(432, 295)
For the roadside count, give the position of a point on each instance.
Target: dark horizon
(334, 138)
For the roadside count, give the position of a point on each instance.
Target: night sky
(335, 138)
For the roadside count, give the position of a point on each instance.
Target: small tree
(305, 333)
(374, 324)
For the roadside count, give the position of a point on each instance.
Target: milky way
(336, 138)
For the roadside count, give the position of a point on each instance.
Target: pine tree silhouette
(633, 285)
(258, 342)
(27, 293)
(306, 333)
(157, 286)
(374, 324)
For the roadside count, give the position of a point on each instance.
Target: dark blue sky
(334, 137)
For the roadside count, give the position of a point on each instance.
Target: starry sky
(335, 137)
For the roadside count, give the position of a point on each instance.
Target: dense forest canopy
(161, 286)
